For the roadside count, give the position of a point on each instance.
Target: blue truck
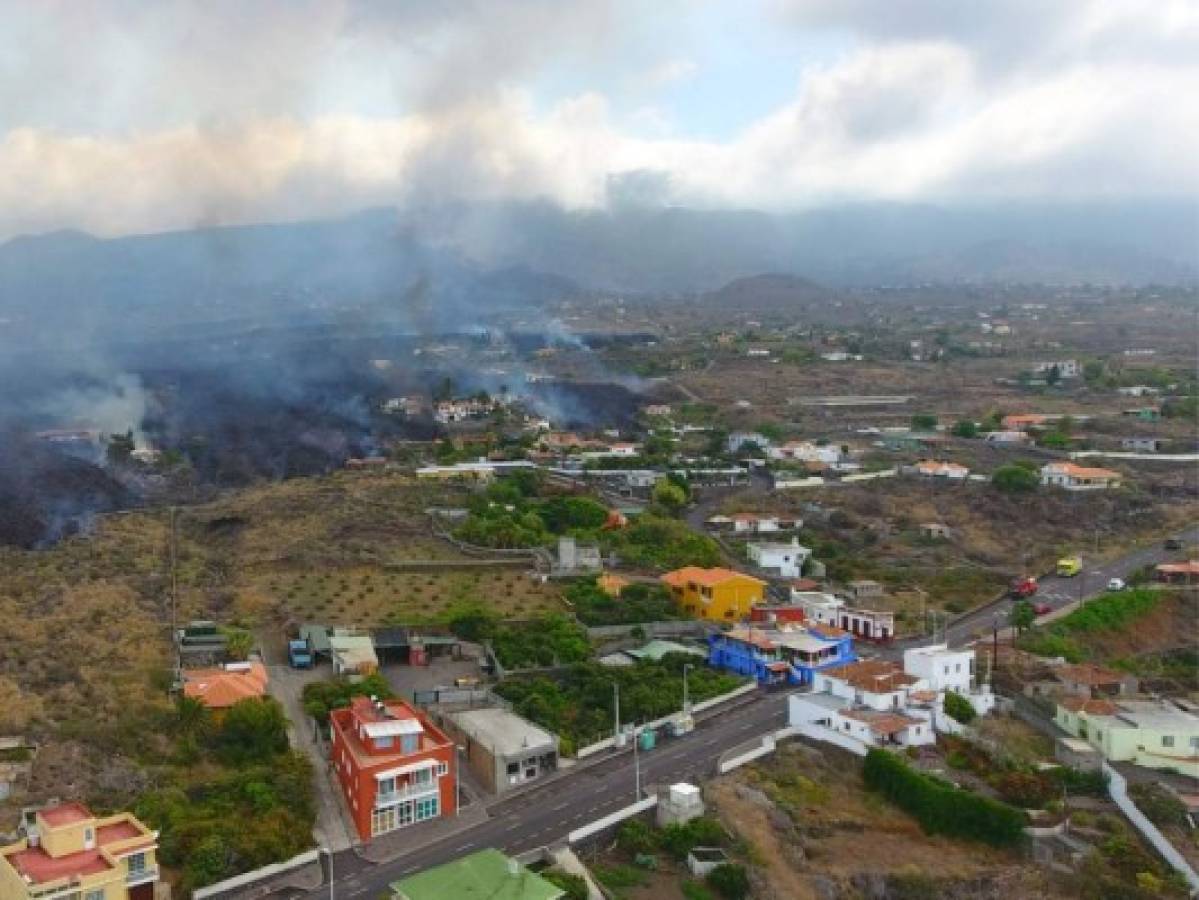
(299, 654)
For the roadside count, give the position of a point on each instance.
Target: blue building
(786, 656)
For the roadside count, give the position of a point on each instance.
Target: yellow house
(70, 853)
(719, 595)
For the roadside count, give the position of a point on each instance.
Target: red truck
(1022, 588)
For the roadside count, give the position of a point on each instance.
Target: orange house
(221, 688)
(395, 766)
(719, 595)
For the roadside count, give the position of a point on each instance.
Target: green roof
(656, 649)
(484, 874)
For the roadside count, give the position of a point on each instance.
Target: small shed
(937, 531)
(864, 589)
(702, 860)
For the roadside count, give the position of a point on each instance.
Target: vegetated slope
(1120, 628)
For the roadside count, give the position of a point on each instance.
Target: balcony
(141, 876)
(406, 792)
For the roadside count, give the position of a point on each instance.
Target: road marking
(464, 847)
(561, 806)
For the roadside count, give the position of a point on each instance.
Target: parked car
(1041, 608)
(1173, 544)
(1022, 588)
(1116, 584)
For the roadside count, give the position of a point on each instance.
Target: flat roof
(502, 732)
(483, 875)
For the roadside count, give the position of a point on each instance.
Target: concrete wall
(1117, 787)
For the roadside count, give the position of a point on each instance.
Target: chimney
(513, 867)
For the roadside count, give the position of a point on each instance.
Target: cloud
(165, 116)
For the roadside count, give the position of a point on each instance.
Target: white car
(1116, 584)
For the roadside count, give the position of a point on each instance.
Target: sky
(121, 116)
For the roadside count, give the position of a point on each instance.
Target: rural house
(783, 655)
(221, 688)
(787, 559)
(863, 624)
(1072, 477)
(503, 749)
(70, 853)
(717, 595)
(394, 765)
(1156, 734)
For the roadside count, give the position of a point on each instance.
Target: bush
(637, 603)
(939, 807)
(550, 640)
(1027, 790)
(1015, 479)
(1159, 805)
(321, 697)
(730, 881)
(678, 840)
(253, 731)
(574, 886)
(637, 836)
(662, 543)
(965, 429)
(959, 708)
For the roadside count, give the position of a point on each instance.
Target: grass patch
(1107, 613)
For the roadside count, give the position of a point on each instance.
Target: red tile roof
(706, 577)
(881, 722)
(874, 675)
(1090, 707)
(1182, 568)
(1088, 674)
(222, 688)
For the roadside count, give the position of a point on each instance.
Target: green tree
(192, 718)
(1054, 375)
(1014, 478)
(1022, 616)
(637, 836)
(669, 495)
(965, 428)
(959, 708)
(924, 422)
(253, 731)
(238, 643)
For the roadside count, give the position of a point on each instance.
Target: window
(958, 667)
(136, 862)
(514, 768)
(1167, 740)
(409, 743)
(426, 808)
(97, 894)
(1195, 743)
(387, 785)
(384, 743)
(442, 769)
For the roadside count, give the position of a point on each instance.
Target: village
(686, 604)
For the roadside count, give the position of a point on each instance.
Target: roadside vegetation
(577, 704)
(1109, 613)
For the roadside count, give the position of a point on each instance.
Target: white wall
(943, 669)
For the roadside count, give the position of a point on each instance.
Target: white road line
(464, 847)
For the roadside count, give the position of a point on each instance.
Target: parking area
(441, 672)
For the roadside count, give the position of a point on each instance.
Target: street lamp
(636, 764)
(329, 853)
(458, 748)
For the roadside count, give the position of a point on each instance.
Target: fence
(606, 743)
(816, 732)
(611, 819)
(1117, 787)
(249, 878)
(764, 746)
(687, 628)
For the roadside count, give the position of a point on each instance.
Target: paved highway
(547, 814)
(1058, 592)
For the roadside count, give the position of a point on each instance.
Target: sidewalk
(390, 847)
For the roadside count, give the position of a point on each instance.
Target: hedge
(941, 808)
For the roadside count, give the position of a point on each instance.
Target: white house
(786, 559)
(806, 451)
(754, 523)
(934, 468)
(1066, 368)
(870, 703)
(944, 669)
(1138, 390)
(1078, 478)
(826, 609)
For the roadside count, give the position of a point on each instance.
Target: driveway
(287, 684)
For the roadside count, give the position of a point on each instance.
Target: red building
(772, 613)
(395, 766)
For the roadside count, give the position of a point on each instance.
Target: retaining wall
(249, 878)
(1117, 788)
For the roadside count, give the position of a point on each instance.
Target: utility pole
(636, 765)
(616, 711)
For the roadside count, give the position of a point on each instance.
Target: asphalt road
(546, 815)
(1058, 592)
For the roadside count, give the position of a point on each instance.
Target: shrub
(959, 708)
(637, 836)
(1025, 789)
(939, 807)
(253, 731)
(1015, 479)
(1159, 805)
(574, 886)
(730, 881)
(679, 839)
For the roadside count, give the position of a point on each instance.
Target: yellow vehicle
(1069, 566)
